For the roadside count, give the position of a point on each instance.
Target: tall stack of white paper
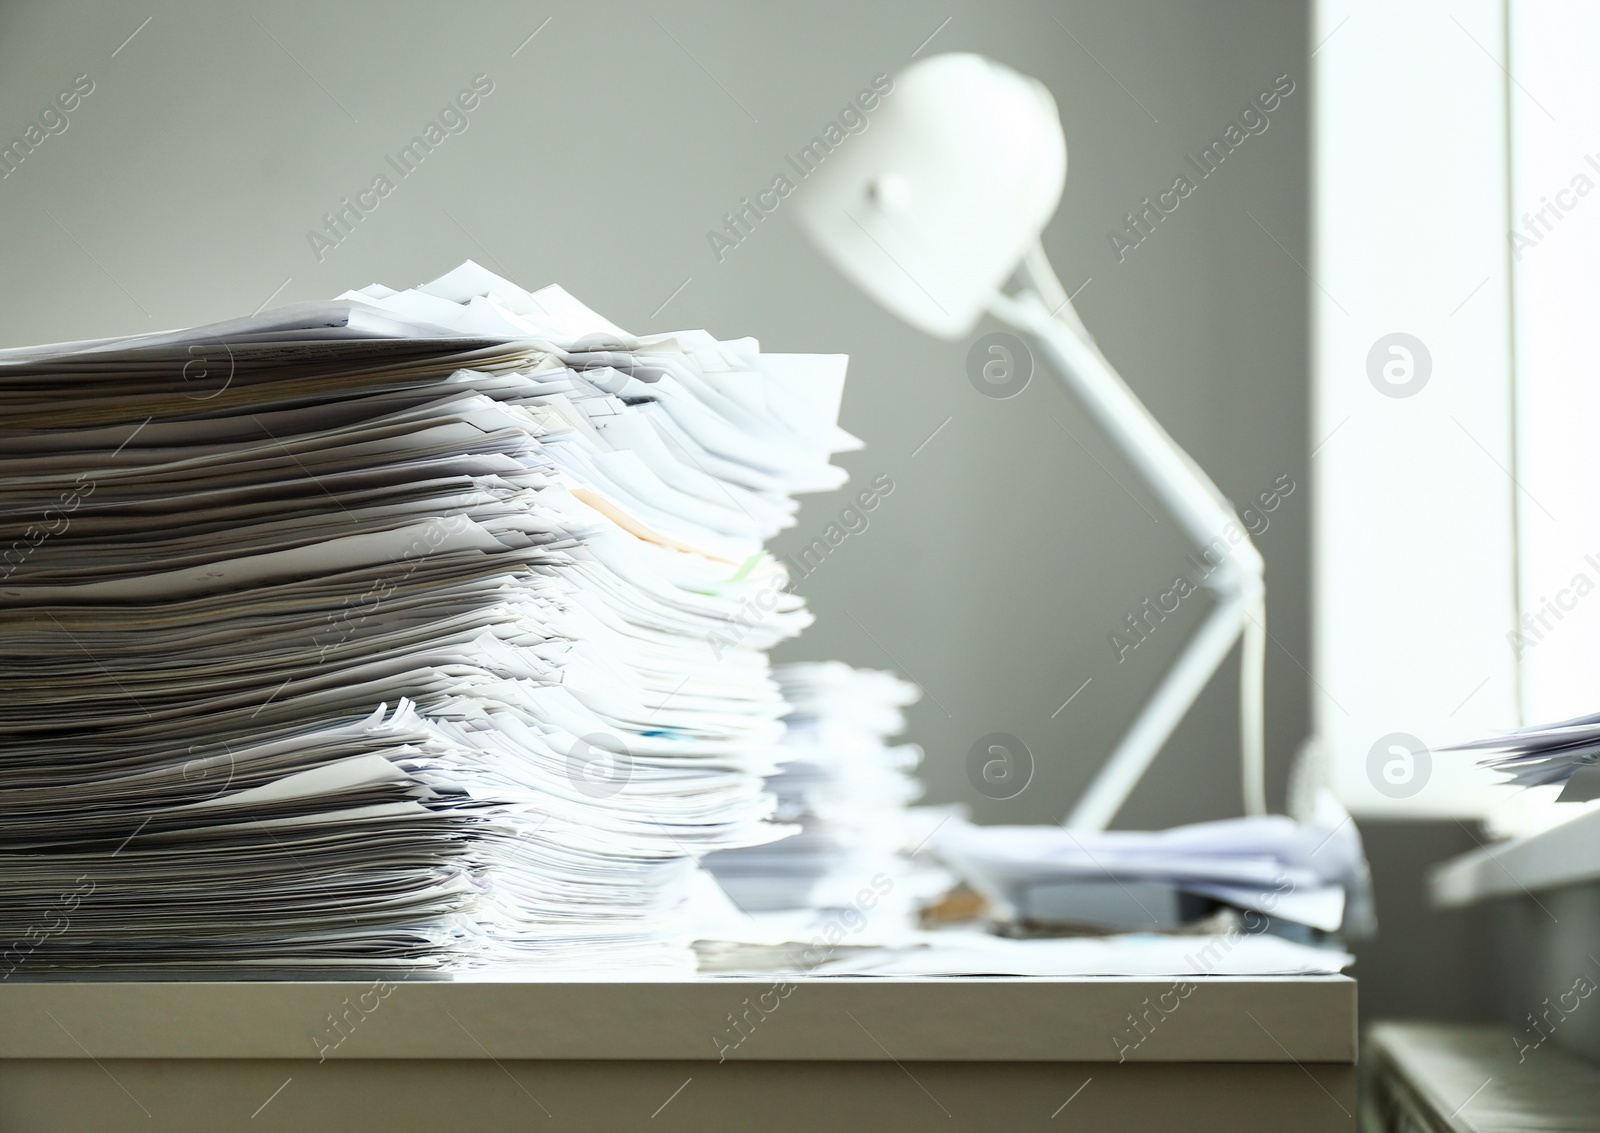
(848, 788)
(379, 632)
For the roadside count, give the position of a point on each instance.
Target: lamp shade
(932, 207)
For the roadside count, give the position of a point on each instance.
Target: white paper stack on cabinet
(1566, 753)
(377, 633)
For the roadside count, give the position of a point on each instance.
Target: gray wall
(185, 185)
(1431, 963)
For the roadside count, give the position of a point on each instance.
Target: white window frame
(1415, 528)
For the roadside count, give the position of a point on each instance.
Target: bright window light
(1457, 529)
(1555, 237)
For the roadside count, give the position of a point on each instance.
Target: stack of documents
(412, 630)
(850, 880)
(846, 788)
(1568, 752)
(1272, 869)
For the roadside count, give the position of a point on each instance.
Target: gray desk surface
(1226, 1019)
(845, 1055)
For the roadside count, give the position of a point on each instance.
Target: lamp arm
(1204, 515)
(1161, 714)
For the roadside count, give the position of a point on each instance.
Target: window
(1457, 235)
(1555, 237)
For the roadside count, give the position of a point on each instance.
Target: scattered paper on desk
(1270, 865)
(968, 953)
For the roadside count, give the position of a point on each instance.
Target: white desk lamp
(931, 211)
